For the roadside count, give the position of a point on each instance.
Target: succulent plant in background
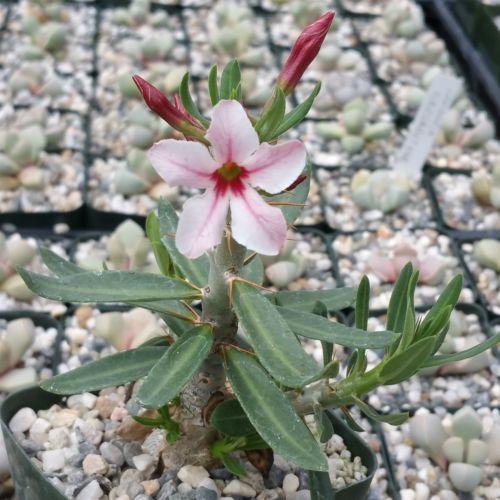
(287, 266)
(487, 253)
(455, 137)
(15, 251)
(139, 177)
(139, 13)
(354, 130)
(154, 48)
(304, 12)
(401, 18)
(21, 147)
(45, 23)
(126, 248)
(432, 269)
(382, 190)
(15, 340)
(128, 330)
(486, 187)
(233, 31)
(228, 330)
(36, 79)
(462, 452)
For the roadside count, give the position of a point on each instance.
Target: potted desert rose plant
(233, 376)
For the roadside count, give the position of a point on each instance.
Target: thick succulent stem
(225, 262)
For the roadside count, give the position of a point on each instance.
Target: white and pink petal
(183, 163)
(255, 224)
(274, 168)
(201, 223)
(231, 133)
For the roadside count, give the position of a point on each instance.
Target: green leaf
(441, 324)
(110, 371)
(349, 420)
(274, 343)
(232, 465)
(195, 270)
(449, 297)
(176, 367)
(296, 196)
(213, 87)
(230, 79)
(271, 413)
(316, 327)
(229, 418)
(58, 265)
(444, 359)
(272, 116)
(188, 103)
(396, 311)
(323, 424)
(150, 422)
(297, 114)
(320, 485)
(162, 257)
(362, 310)
(405, 364)
(254, 271)
(108, 286)
(335, 299)
(393, 419)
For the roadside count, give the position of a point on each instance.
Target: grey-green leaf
(108, 286)
(195, 270)
(316, 327)
(393, 418)
(396, 311)
(335, 299)
(188, 103)
(271, 413)
(443, 359)
(213, 87)
(177, 366)
(58, 265)
(110, 371)
(160, 252)
(276, 346)
(254, 271)
(230, 418)
(230, 79)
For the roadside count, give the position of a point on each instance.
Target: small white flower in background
(229, 171)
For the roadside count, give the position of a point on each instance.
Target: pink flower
(304, 51)
(229, 171)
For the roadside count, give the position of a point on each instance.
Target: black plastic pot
(319, 482)
(29, 482)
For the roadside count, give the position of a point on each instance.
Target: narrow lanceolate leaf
(293, 200)
(58, 265)
(162, 257)
(362, 309)
(230, 79)
(407, 363)
(396, 311)
(297, 114)
(410, 322)
(213, 87)
(230, 418)
(393, 419)
(108, 286)
(316, 327)
(320, 485)
(254, 271)
(110, 371)
(273, 341)
(194, 270)
(271, 117)
(177, 366)
(335, 299)
(443, 359)
(188, 103)
(449, 297)
(271, 413)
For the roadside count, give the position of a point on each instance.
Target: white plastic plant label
(410, 158)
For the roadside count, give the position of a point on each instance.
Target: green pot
(31, 484)
(320, 485)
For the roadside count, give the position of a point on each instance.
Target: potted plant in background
(233, 376)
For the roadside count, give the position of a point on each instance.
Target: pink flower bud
(304, 51)
(174, 115)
